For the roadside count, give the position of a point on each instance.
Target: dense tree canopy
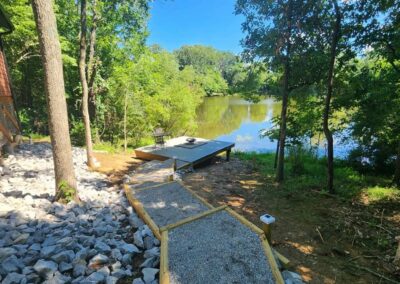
(337, 62)
(344, 81)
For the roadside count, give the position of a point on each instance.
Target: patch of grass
(39, 137)
(110, 148)
(305, 172)
(378, 193)
(106, 147)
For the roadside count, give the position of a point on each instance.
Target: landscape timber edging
(164, 276)
(159, 232)
(137, 205)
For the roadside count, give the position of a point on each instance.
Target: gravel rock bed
(169, 203)
(100, 240)
(216, 249)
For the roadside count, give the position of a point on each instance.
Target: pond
(233, 119)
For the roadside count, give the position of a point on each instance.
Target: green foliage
(348, 182)
(65, 193)
(297, 156)
(219, 72)
(374, 95)
(376, 193)
(77, 133)
(158, 94)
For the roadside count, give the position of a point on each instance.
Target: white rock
(129, 248)
(138, 239)
(149, 274)
(95, 277)
(99, 259)
(152, 252)
(111, 280)
(45, 268)
(137, 281)
(14, 278)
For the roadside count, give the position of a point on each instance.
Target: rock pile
(97, 241)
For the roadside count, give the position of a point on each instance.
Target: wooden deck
(185, 154)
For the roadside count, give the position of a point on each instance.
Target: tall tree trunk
(282, 136)
(85, 94)
(55, 96)
(330, 79)
(285, 97)
(125, 117)
(277, 152)
(91, 67)
(396, 179)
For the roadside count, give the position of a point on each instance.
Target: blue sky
(174, 23)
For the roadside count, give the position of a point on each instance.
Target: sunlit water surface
(234, 119)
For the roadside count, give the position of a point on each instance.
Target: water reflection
(234, 119)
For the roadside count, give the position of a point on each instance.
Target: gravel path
(43, 242)
(216, 249)
(169, 203)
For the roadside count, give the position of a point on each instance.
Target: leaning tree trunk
(396, 179)
(55, 96)
(327, 131)
(85, 91)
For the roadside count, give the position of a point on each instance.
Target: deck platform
(186, 154)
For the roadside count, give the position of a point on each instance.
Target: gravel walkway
(169, 203)
(216, 249)
(97, 241)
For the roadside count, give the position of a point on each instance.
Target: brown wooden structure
(9, 124)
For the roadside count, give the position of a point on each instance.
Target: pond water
(233, 119)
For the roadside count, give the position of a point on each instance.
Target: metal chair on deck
(159, 135)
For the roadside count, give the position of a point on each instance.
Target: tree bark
(330, 81)
(56, 102)
(282, 136)
(91, 67)
(277, 152)
(125, 118)
(85, 91)
(285, 97)
(396, 179)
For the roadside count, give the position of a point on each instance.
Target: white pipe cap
(267, 219)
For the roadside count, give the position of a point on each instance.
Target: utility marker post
(267, 221)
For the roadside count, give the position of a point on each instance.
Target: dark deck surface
(177, 148)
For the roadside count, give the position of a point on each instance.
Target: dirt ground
(327, 240)
(115, 166)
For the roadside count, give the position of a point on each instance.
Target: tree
(85, 88)
(278, 33)
(375, 96)
(215, 68)
(329, 86)
(383, 35)
(56, 103)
